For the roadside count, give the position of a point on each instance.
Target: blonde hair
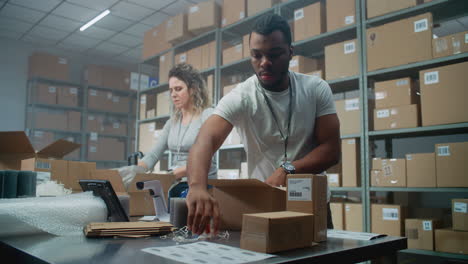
(195, 83)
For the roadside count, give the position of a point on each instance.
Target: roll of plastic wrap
(26, 184)
(179, 212)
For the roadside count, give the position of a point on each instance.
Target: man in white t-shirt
(287, 122)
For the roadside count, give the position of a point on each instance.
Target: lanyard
(285, 136)
(179, 140)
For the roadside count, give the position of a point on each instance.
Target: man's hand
(277, 178)
(201, 209)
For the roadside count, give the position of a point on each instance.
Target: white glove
(128, 173)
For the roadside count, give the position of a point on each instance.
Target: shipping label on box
(460, 214)
(452, 164)
(387, 219)
(353, 217)
(420, 233)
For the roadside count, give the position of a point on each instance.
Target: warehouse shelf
(231, 147)
(351, 136)
(55, 82)
(208, 70)
(236, 65)
(345, 189)
(243, 27)
(295, 4)
(158, 88)
(104, 112)
(317, 43)
(196, 41)
(56, 107)
(76, 133)
(108, 135)
(417, 189)
(158, 118)
(122, 92)
(344, 84)
(417, 131)
(435, 254)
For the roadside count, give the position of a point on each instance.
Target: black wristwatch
(288, 167)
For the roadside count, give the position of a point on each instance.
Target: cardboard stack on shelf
(341, 60)
(233, 11)
(203, 17)
(107, 77)
(349, 114)
(309, 21)
(453, 240)
(256, 6)
(48, 66)
(388, 219)
(102, 148)
(55, 119)
(350, 158)
(388, 172)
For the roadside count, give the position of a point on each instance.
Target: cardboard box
(405, 116)
(349, 114)
(210, 88)
(203, 17)
(194, 57)
(452, 164)
(307, 193)
(340, 14)
(246, 45)
(337, 211)
(393, 174)
(98, 100)
(73, 121)
(67, 96)
(353, 217)
(165, 65)
(334, 179)
(451, 241)
(350, 152)
(113, 177)
(460, 214)
(163, 102)
(45, 94)
(380, 7)
(420, 233)
(255, 6)
(443, 93)
(309, 21)
(105, 149)
(141, 202)
(341, 60)
(120, 104)
(387, 219)
(94, 123)
(303, 64)
(50, 120)
(276, 231)
(397, 92)
(177, 29)
(154, 41)
(148, 136)
(450, 45)
(233, 11)
(150, 105)
(78, 170)
(114, 126)
(142, 114)
(232, 53)
(421, 170)
(48, 66)
(41, 139)
(107, 76)
(229, 88)
(245, 196)
(181, 58)
(401, 42)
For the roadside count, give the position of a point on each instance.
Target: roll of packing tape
(179, 211)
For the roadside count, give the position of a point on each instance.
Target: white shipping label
(402, 82)
(238, 47)
(443, 151)
(387, 170)
(194, 9)
(223, 22)
(71, 139)
(409, 157)
(241, 15)
(151, 127)
(380, 95)
(116, 125)
(92, 149)
(390, 214)
(298, 14)
(143, 99)
(299, 189)
(293, 63)
(421, 25)
(427, 225)
(459, 207)
(155, 33)
(394, 111)
(347, 208)
(333, 178)
(93, 92)
(91, 118)
(183, 58)
(162, 59)
(466, 38)
(62, 61)
(351, 141)
(93, 136)
(38, 134)
(352, 104)
(431, 77)
(43, 165)
(109, 96)
(456, 45)
(115, 99)
(73, 90)
(349, 47)
(383, 113)
(349, 20)
(52, 89)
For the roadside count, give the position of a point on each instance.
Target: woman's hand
(180, 172)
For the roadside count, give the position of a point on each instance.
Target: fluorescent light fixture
(94, 20)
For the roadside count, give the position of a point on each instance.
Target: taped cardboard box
(350, 152)
(443, 93)
(387, 219)
(392, 174)
(403, 91)
(177, 29)
(309, 21)
(307, 193)
(303, 64)
(451, 241)
(460, 214)
(452, 164)
(420, 233)
(421, 170)
(353, 217)
(340, 14)
(401, 42)
(349, 114)
(203, 17)
(45, 94)
(380, 7)
(341, 60)
(255, 6)
(245, 196)
(48, 66)
(276, 231)
(405, 116)
(67, 96)
(337, 211)
(233, 11)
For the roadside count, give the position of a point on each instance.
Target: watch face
(288, 166)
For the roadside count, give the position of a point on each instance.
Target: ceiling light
(94, 20)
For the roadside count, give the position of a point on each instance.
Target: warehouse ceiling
(56, 23)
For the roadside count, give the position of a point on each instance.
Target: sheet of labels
(206, 252)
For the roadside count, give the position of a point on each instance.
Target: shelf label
(431, 77)
(349, 47)
(380, 95)
(183, 58)
(93, 92)
(421, 25)
(71, 139)
(333, 178)
(43, 165)
(115, 99)
(443, 151)
(151, 127)
(116, 125)
(163, 58)
(194, 9)
(349, 20)
(427, 225)
(93, 136)
(459, 207)
(402, 82)
(38, 134)
(299, 189)
(241, 15)
(92, 149)
(409, 157)
(456, 45)
(91, 118)
(390, 214)
(143, 99)
(383, 113)
(298, 14)
(466, 38)
(347, 208)
(351, 141)
(52, 89)
(293, 63)
(73, 90)
(352, 104)
(62, 61)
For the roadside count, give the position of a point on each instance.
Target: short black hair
(266, 24)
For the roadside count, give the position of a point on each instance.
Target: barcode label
(387, 170)
(238, 47)
(349, 20)
(170, 23)
(70, 139)
(431, 77)
(402, 82)
(293, 63)
(143, 99)
(390, 214)
(93, 136)
(349, 47)
(183, 58)
(333, 178)
(383, 113)
(151, 127)
(443, 151)
(162, 59)
(466, 38)
(347, 208)
(43, 165)
(394, 111)
(298, 14)
(427, 225)
(299, 189)
(116, 125)
(73, 90)
(38, 134)
(421, 25)
(109, 96)
(52, 89)
(456, 45)
(194, 9)
(380, 95)
(241, 15)
(115, 99)
(155, 33)
(93, 92)
(92, 149)
(352, 104)
(223, 22)
(409, 157)
(351, 141)
(459, 207)
(91, 118)
(62, 61)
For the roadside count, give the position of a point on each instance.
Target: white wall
(13, 78)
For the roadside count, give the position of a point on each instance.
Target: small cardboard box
(421, 170)
(460, 214)
(392, 174)
(404, 116)
(387, 219)
(78, 170)
(49, 119)
(255, 6)
(307, 193)
(334, 179)
(452, 164)
(397, 92)
(46, 94)
(177, 29)
(233, 11)
(276, 231)
(203, 17)
(380, 7)
(451, 241)
(351, 162)
(420, 233)
(341, 60)
(353, 217)
(349, 113)
(450, 45)
(245, 196)
(340, 14)
(309, 21)
(337, 211)
(303, 64)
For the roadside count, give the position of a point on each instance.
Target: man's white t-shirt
(246, 109)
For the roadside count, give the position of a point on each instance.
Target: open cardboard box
(245, 196)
